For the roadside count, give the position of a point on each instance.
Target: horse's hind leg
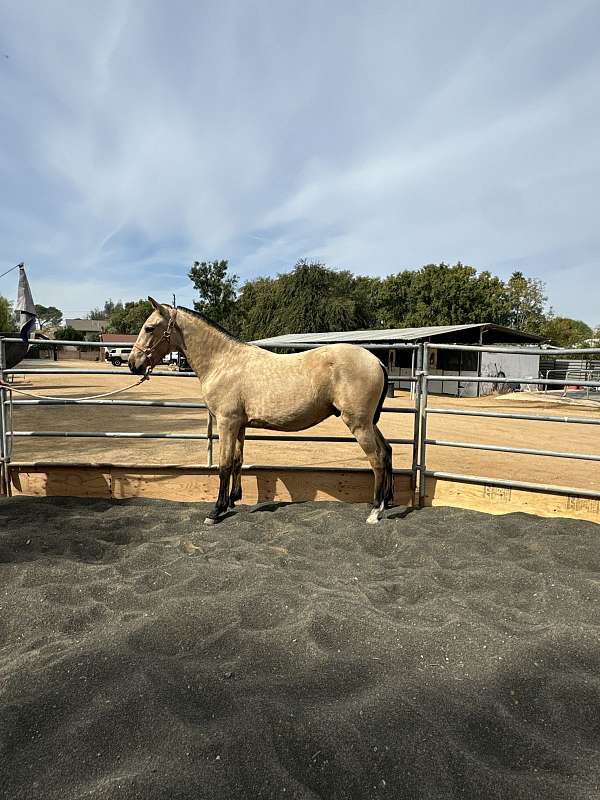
(366, 435)
(388, 491)
(236, 475)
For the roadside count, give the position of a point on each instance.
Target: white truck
(119, 355)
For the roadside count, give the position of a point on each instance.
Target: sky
(137, 137)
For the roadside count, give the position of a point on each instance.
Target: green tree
(527, 303)
(394, 299)
(310, 298)
(367, 295)
(106, 311)
(68, 333)
(566, 332)
(7, 322)
(48, 316)
(217, 290)
(439, 294)
(130, 317)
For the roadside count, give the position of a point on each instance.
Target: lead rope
(10, 388)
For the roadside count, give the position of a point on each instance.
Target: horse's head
(154, 339)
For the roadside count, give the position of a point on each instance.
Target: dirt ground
(521, 433)
(293, 651)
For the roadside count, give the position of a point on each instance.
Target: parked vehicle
(171, 358)
(178, 360)
(117, 355)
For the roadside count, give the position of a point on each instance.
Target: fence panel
(422, 380)
(424, 410)
(9, 434)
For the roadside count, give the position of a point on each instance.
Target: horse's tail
(383, 396)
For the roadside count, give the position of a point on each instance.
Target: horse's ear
(158, 307)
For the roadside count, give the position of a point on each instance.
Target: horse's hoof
(210, 521)
(375, 514)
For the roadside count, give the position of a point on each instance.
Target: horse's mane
(212, 324)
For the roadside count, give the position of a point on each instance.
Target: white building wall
(517, 365)
(492, 364)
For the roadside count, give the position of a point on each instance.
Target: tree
(367, 295)
(439, 294)
(130, 317)
(105, 313)
(566, 332)
(67, 333)
(217, 292)
(527, 303)
(7, 322)
(310, 298)
(48, 316)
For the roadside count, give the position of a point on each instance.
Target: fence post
(423, 424)
(4, 471)
(415, 389)
(209, 440)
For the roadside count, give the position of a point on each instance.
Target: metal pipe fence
(4, 469)
(507, 415)
(420, 381)
(9, 434)
(426, 378)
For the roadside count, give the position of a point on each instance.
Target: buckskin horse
(245, 386)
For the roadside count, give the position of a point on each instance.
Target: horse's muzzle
(137, 368)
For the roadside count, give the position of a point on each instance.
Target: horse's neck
(206, 348)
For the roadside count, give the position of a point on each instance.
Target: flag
(25, 306)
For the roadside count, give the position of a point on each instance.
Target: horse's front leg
(228, 431)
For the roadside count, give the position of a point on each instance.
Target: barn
(401, 361)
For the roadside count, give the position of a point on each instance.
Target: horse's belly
(292, 420)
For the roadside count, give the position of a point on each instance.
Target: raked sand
(292, 651)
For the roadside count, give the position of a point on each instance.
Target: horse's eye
(149, 328)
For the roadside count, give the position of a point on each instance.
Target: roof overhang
(366, 338)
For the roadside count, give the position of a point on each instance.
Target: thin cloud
(137, 138)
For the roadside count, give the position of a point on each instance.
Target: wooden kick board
(503, 500)
(261, 484)
(201, 484)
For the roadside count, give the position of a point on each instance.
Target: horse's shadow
(400, 512)
(271, 506)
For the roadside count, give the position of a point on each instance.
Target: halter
(147, 351)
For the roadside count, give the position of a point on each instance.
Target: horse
(246, 386)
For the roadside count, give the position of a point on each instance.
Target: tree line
(313, 297)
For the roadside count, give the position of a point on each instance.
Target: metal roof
(110, 338)
(88, 325)
(391, 335)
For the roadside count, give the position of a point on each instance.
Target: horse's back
(348, 361)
